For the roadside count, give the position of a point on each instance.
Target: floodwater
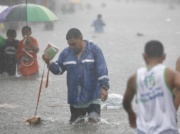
(128, 27)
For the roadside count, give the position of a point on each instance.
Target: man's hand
(132, 120)
(104, 94)
(46, 60)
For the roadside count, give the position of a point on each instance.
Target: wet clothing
(28, 64)
(156, 113)
(85, 76)
(78, 114)
(9, 56)
(164, 132)
(98, 25)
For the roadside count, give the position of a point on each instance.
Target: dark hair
(11, 32)
(99, 15)
(154, 49)
(73, 33)
(26, 27)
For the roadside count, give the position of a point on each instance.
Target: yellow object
(2, 27)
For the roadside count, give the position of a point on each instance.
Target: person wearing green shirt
(2, 41)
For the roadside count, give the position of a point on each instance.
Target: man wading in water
(87, 76)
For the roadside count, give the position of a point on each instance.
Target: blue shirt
(98, 25)
(85, 76)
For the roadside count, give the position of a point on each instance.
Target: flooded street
(128, 27)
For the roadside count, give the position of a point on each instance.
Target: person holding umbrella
(87, 76)
(27, 54)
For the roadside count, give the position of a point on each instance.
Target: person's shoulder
(168, 69)
(131, 82)
(95, 20)
(92, 45)
(32, 38)
(6, 43)
(178, 60)
(66, 51)
(178, 64)
(171, 76)
(132, 77)
(94, 48)
(170, 73)
(20, 43)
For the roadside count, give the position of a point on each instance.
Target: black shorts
(93, 112)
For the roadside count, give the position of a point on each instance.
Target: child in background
(98, 24)
(9, 53)
(27, 54)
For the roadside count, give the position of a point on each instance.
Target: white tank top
(155, 109)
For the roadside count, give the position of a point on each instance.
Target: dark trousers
(78, 114)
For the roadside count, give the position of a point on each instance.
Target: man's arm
(102, 71)
(128, 98)
(55, 67)
(176, 91)
(173, 81)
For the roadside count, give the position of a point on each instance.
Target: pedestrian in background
(9, 53)
(98, 24)
(27, 54)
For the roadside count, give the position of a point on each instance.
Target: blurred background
(70, 6)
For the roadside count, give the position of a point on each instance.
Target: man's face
(76, 44)
(26, 32)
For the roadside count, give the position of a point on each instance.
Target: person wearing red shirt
(27, 54)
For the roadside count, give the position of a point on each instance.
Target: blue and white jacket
(85, 76)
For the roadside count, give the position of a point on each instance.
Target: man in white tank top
(153, 87)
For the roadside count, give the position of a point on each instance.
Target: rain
(129, 24)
